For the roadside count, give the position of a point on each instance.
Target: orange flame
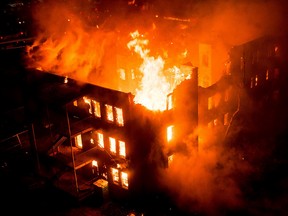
(154, 86)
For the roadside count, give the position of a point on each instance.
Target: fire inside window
(100, 139)
(88, 101)
(122, 150)
(78, 141)
(170, 133)
(112, 143)
(169, 102)
(94, 163)
(109, 112)
(124, 179)
(96, 106)
(119, 116)
(115, 175)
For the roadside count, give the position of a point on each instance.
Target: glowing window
(115, 175)
(267, 74)
(122, 73)
(119, 116)
(109, 112)
(124, 179)
(170, 133)
(112, 143)
(75, 103)
(94, 163)
(122, 149)
(100, 140)
(92, 141)
(88, 101)
(256, 80)
(97, 110)
(78, 141)
(169, 102)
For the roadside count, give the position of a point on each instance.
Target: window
(124, 179)
(256, 80)
(88, 101)
(78, 141)
(115, 175)
(94, 163)
(122, 150)
(169, 102)
(267, 74)
(100, 139)
(75, 103)
(112, 143)
(119, 116)
(109, 112)
(97, 110)
(170, 132)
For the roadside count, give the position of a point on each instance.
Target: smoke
(66, 45)
(207, 181)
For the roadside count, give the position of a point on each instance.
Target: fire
(154, 86)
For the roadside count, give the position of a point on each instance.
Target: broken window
(115, 175)
(109, 112)
(112, 143)
(122, 150)
(78, 141)
(124, 180)
(170, 133)
(97, 110)
(119, 116)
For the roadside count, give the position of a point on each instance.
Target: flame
(154, 87)
(156, 82)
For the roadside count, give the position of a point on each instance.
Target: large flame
(154, 86)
